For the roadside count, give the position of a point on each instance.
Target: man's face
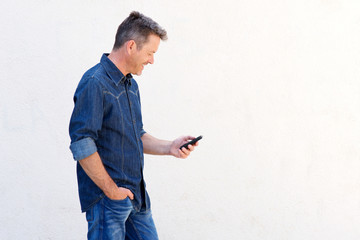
(145, 55)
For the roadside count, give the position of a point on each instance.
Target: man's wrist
(110, 188)
(169, 145)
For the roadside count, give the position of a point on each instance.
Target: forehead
(152, 43)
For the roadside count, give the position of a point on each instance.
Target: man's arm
(95, 169)
(156, 146)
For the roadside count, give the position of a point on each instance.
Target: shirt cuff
(142, 132)
(83, 148)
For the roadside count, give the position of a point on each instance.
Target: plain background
(272, 85)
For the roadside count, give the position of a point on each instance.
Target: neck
(118, 58)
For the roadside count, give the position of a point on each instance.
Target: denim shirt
(107, 119)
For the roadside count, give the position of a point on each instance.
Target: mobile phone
(191, 142)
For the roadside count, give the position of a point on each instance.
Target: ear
(130, 46)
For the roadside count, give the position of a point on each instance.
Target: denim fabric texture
(107, 119)
(117, 219)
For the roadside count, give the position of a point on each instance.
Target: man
(108, 140)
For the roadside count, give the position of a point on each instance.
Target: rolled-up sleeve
(83, 148)
(142, 132)
(86, 119)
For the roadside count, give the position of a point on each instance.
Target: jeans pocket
(123, 204)
(115, 200)
(117, 210)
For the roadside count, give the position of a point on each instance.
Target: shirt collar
(115, 74)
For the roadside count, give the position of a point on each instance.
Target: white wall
(272, 85)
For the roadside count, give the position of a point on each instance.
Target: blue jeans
(117, 219)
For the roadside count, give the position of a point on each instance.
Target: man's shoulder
(94, 75)
(96, 72)
(92, 78)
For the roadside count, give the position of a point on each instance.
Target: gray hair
(137, 27)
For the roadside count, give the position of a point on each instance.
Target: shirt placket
(133, 121)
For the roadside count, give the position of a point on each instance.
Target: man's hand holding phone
(183, 146)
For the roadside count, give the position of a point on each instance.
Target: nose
(151, 60)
